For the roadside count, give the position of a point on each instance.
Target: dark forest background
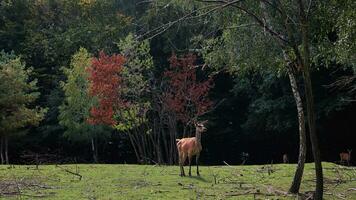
(255, 110)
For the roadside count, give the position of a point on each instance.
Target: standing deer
(285, 158)
(189, 147)
(345, 157)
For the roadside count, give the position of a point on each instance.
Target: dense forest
(117, 81)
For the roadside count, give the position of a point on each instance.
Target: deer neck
(198, 136)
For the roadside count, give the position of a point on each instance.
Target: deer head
(200, 126)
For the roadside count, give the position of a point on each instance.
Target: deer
(345, 157)
(189, 147)
(285, 158)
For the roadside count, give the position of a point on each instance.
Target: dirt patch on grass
(24, 187)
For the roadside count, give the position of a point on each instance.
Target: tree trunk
(310, 102)
(6, 150)
(156, 142)
(313, 136)
(136, 140)
(96, 150)
(1, 149)
(134, 147)
(294, 188)
(93, 148)
(172, 140)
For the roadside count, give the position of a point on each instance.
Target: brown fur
(345, 157)
(189, 147)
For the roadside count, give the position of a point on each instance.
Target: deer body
(189, 147)
(345, 157)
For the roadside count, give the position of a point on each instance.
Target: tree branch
(164, 27)
(251, 14)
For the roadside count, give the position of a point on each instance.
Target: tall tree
(17, 96)
(184, 99)
(105, 83)
(75, 110)
(135, 90)
(187, 97)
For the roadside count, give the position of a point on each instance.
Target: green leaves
(136, 71)
(135, 89)
(74, 111)
(17, 95)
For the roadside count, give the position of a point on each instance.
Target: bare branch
(251, 14)
(309, 7)
(164, 27)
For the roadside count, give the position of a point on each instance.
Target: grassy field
(162, 182)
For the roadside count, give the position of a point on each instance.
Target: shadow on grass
(199, 178)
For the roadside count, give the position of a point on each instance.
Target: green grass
(162, 182)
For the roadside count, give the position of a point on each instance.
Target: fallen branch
(37, 196)
(340, 196)
(226, 163)
(68, 171)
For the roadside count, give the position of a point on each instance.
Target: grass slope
(162, 182)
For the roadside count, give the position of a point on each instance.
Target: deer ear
(204, 122)
(194, 121)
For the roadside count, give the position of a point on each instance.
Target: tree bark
(313, 136)
(294, 188)
(310, 102)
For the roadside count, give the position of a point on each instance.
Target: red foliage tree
(104, 78)
(186, 96)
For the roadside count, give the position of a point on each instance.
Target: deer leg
(182, 164)
(197, 162)
(190, 165)
(181, 169)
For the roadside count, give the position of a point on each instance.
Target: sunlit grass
(162, 182)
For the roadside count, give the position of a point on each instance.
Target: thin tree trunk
(6, 149)
(134, 147)
(172, 140)
(294, 188)
(96, 150)
(159, 143)
(136, 140)
(313, 136)
(165, 145)
(310, 103)
(93, 149)
(1, 149)
(156, 142)
(145, 148)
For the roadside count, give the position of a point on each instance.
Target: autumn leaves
(184, 95)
